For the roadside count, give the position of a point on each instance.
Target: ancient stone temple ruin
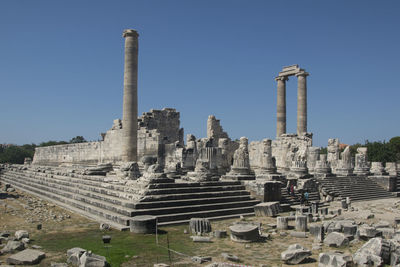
(143, 165)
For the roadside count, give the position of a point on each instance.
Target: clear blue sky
(61, 66)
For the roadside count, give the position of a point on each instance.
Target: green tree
(16, 154)
(394, 144)
(380, 151)
(77, 139)
(53, 143)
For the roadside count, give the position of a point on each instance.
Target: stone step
(193, 184)
(216, 204)
(187, 202)
(175, 196)
(113, 224)
(76, 189)
(357, 188)
(104, 188)
(102, 213)
(196, 208)
(75, 195)
(151, 198)
(354, 190)
(183, 190)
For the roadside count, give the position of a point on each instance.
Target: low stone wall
(85, 153)
(387, 182)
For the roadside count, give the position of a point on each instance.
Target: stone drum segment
(282, 223)
(301, 223)
(199, 226)
(244, 232)
(143, 224)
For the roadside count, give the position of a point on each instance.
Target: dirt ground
(19, 210)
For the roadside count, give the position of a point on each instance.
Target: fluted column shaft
(301, 103)
(130, 105)
(281, 106)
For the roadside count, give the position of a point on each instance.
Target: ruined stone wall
(285, 149)
(90, 153)
(156, 128)
(166, 122)
(86, 153)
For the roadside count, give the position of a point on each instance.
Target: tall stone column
(301, 102)
(281, 106)
(130, 105)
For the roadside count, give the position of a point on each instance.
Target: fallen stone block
(89, 259)
(21, 234)
(268, 209)
(204, 239)
(335, 239)
(299, 234)
(27, 256)
(349, 230)
(74, 255)
(201, 259)
(328, 259)
(295, 254)
(230, 257)
(376, 250)
(366, 232)
(387, 233)
(12, 246)
(220, 233)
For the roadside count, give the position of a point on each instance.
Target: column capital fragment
(130, 33)
(302, 73)
(282, 78)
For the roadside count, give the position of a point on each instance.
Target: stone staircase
(99, 199)
(358, 188)
(398, 183)
(289, 200)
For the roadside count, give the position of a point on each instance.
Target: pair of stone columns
(301, 103)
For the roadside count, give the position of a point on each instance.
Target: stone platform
(114, 201)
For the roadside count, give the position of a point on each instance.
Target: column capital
(281, 78)
(302, 73)
(130, 33)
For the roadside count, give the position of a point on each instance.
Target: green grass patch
(123, 246)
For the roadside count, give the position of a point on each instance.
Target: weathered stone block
(269, 209)
(27, 256)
